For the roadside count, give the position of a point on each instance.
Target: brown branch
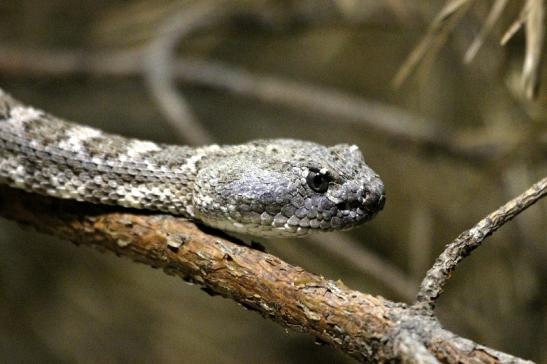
(353, 253)
(371, 329)
(435, 279)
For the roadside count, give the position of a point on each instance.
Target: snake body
(277, 187)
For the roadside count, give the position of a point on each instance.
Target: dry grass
(532, 18)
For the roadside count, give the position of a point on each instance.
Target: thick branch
(365, 327)
(435, 279)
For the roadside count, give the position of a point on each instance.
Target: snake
(266, 188)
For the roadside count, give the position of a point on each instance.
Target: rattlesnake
(276, 187)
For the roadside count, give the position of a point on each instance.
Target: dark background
(60, 303)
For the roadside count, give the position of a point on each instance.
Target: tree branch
(366, 327)
(435, 279)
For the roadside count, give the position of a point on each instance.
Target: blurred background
(454, 122)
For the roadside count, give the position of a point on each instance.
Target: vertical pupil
(318, 180)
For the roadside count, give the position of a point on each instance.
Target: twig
(516, 177)
(373, 115)
(435, 279)
(516, 25)
(158, 67)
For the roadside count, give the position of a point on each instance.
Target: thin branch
(436, 278)
(389, 120)
(158, 67)
(375, 116)
(516, 177)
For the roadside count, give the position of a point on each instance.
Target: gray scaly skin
(278, 187)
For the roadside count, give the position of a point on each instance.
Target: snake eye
(318, 180)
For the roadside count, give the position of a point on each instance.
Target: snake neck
(45, 155)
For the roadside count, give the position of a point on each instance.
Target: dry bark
(369, 328)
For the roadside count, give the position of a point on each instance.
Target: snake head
(286, 187)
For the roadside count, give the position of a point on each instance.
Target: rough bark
(369, 328)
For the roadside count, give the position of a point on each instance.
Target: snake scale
(277, 187)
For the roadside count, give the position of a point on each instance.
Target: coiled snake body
(279, 187)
